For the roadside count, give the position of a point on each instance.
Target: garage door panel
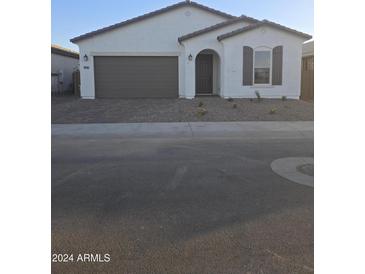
(136, 76)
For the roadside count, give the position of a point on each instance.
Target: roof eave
(263, 23)
(149, 15)
(64, 52)
(197, 33)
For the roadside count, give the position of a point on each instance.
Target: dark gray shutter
(277, 65)
(247, 66)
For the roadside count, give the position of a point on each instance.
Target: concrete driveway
(206, 202)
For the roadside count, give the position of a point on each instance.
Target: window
(262, 64)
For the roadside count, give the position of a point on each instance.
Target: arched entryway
(207, 73)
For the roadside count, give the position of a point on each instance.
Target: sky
(73, 18)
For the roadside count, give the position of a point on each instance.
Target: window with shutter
(262, 66)
(277, 65)
(247, 66)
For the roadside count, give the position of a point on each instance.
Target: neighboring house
(63, 63)
(308, 48)
(307, 83)
(188, 49)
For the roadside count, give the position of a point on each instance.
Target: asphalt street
(203, 204)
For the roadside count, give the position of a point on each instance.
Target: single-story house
(63, 63)
(188, 49)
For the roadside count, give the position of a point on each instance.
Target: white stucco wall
(67, 65)
(196, 45)
(151, 37)
(216, 74)
(262, 37)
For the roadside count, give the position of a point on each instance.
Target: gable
(263, 24)
(154, 14)
(209, 38)
(264, 36)
(243, 18)
(159, 33)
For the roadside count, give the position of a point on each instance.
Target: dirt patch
(74, 110)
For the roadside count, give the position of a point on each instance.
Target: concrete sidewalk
(266, 130)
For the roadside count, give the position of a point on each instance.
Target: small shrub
(273, 110)
(234, 105)
(283, 98)
(200, 104)
(201, 111)
(230, 99)
(258, 95)
(251, 100)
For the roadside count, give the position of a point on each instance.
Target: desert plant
(283, 98)
(234, 105)
(273, 110)
(201, 111)
(230, 99)
(200, 104)
(258, 95)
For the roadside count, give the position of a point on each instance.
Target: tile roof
(56, 49)
(242, 18)
(149, 15)
(263, 23)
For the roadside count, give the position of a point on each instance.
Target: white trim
(262, 86)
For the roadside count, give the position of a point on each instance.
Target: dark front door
(204, 74)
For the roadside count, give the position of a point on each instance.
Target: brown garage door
(136, 76)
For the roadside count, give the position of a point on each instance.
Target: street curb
(287, 168)
(263, 129)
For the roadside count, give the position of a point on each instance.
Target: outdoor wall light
(190, 57)
(86, 58)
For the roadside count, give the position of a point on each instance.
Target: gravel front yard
(74, 110)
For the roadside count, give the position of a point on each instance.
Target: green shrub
(273, 110)
(283, 98)
(201, 111)
(234, 105)
(230, 99)
(200, 104)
